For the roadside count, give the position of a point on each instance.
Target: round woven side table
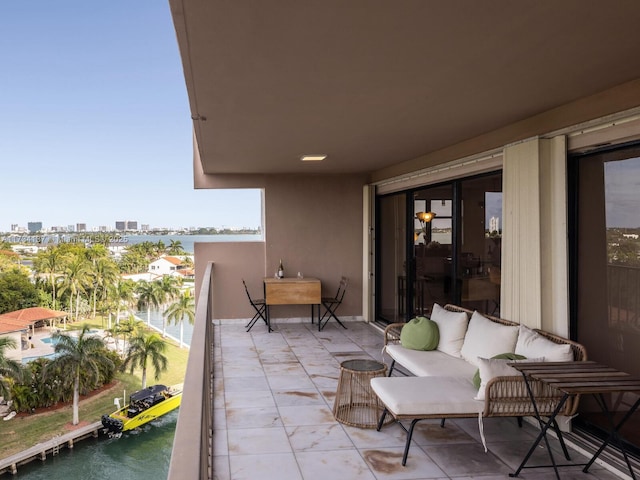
(356, 403)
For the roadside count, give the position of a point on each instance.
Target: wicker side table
(356, 403)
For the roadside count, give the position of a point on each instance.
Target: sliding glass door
(605, 271)
(439, 244)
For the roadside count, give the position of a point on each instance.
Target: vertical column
(554, 236)
(521, 280)
(534, 262)
(368, 249)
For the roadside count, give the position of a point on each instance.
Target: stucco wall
(233, 261)
(314, 224)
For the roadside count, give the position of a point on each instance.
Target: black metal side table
(580, 378)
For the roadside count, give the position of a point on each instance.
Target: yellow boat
(144, 406)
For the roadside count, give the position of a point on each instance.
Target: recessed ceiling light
(312, 158)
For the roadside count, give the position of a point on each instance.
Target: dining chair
(331, 304)
(259, 305)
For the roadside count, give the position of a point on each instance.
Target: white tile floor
(273, 417)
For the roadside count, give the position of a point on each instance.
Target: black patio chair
(331, 304)
(259, 306)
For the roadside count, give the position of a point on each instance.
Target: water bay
(187, 241)
(140, 454)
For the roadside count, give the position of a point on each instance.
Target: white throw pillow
(531, 344)
(452, 326)
(491, 368)
(487, 339)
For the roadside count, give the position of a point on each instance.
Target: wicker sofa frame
(507, 396)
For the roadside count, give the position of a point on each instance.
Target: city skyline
(95, 124)
(117, 226)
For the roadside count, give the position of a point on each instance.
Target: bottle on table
(280, 270)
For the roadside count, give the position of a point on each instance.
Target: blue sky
(94, 120)
(622, 187)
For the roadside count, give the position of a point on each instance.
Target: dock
(50, 447)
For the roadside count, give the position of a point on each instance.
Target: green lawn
(25, 431)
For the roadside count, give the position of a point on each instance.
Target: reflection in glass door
(439, 244)
(391, 243)
(432, 247)
(605, 279)
(478, 269)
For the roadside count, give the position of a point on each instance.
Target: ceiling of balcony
(372, 83)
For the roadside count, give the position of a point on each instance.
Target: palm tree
(129, 328)
(9, 368)
(149, 295)
(183, 307)
(75, 281)
(170, 289)
(52, 262)
(159, 248)
(175, 247)
(123, 294)
(145, 347)
(84, 354)
(103, 273)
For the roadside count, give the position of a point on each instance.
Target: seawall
(50, 447)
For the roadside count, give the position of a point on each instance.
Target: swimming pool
(50, 356)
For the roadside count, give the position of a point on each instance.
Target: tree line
(85, 281)
(82, 363)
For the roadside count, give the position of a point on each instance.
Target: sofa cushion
(531, 344)
(422, 396)
(491, 368)
(431, 363)
(420, 333)
(487, 339)
(451, 326)
(503, 356)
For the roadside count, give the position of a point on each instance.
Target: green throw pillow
(420, 334)
(504, 356)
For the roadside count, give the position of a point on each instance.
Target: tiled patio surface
(273, 417)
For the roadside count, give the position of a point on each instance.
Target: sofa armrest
(508, 397)
(392, 333)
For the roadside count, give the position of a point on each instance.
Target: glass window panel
(441, 231)
(479, 262)
(606, 253)
(442, 208)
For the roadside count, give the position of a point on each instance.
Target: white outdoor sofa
(440, 384)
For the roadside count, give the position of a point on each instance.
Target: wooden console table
(580, 378)
(292, 291)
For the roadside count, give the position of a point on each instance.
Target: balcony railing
(624, 295)
(192, 455)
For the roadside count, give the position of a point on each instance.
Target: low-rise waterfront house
(171, 265)
(476, 153)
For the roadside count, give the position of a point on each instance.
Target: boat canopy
(146, 393)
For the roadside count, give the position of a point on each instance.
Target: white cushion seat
(427, 396)
(419, 398)
(433, 363)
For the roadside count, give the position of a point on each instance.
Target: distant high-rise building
(81, 227)
(14, 227)
(494, 224)
(144, 227)
(70, 228)
(103, 228)
(121, 226)
(34, 227)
